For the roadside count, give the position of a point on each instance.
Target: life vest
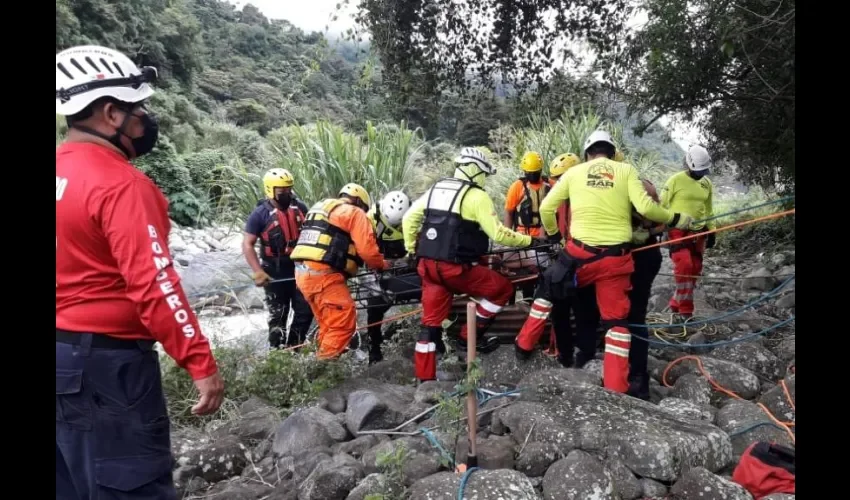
(390, 239)
(445, 235)
(323, 242)
(528, 209)
(281, 233)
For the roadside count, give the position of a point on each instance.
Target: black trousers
(402, 288)
(113, 435)
(647, 266)
(280, 298)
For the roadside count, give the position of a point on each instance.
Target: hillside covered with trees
(239, 93)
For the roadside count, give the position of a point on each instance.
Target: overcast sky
(316, 15)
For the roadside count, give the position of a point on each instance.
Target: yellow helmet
(619, 156)
(276, 177)
(562, 163)
(356, 191)
(531, 162)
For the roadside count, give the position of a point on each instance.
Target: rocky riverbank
(561, 436)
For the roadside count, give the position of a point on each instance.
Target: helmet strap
(114, 139)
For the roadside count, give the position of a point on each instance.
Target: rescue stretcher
(520, 266)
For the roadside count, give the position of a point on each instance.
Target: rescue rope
(463, 480)
(738, 340)
(786, 426)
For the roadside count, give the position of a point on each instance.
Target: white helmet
(393, 207)
(697, 159)
(88, 72)
(598, 136)
(473, 155)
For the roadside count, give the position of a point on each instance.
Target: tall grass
(324, 157)
(233, 191)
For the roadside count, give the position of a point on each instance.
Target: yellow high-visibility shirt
(683, 194)
(601, 193)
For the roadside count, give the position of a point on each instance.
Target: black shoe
(583, 358)
(639, 386)
(441, 346)
(521, 354)
(566, 361)
(483, 345)
(375, 355)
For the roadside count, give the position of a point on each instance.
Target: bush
(284, 379)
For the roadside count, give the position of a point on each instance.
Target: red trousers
(612, 277)
(687, 262)
(440, 282)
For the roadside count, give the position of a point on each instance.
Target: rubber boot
(521, 354)
(483, 343)
(375, 354)
(639, 386)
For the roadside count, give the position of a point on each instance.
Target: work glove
(681, 221)
(640, 236)
(710, 240)
(261, 278)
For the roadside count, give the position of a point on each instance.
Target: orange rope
(785, 425)
(787, 394)
(719, 229)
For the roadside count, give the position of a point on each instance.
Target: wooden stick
(471, 399)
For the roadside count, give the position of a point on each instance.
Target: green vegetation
(284, 379)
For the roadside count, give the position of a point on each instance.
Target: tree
(732, 62)
(429, 46)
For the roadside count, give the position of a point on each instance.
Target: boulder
(652, 489)
(776, 400)
(746, 423)
(578, 476)
(383, 406)
(727, 374)
(626, 485)
(650, 441)
(217, 271)
(215, 461)
(536, 457)
(300, 432)
(481, 484)
(692, 387)
(373, 484)
(688, 409)
(752, 356)
(701, 483)
(331, 479)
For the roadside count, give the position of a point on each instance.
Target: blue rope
(464, 480)
(714, 319)
(719, 343)
(436, 444)
(754, 426)
(752, 207)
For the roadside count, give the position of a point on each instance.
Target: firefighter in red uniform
(117, 292)
(276, 223)
(449, 230)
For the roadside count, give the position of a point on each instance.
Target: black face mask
(283, 200)
(533, 176)
(141, 145)
(144, 144)
(696, 175)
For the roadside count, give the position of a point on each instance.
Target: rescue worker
(522, 202)
(386, 217)
(647, 262)
(689, 191)
(557, 168)
(117, 292)
(601, 193)
(276, 224)
(336, 239)
(449, 230)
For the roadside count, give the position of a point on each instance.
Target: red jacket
(114, 273)
(563, 217)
